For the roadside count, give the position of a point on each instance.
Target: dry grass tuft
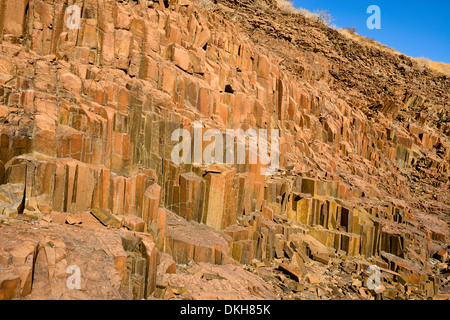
(286, 7)
(441, 67)
(319, 15)
(207, 4)
(350, 33)
(261, 5)
(370, 42)
(351, 29)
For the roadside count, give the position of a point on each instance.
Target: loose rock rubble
(87, 177)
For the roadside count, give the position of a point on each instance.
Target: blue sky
(415, 28)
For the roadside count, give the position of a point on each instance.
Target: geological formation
(88, 183)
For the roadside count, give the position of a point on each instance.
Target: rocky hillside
(88, 181)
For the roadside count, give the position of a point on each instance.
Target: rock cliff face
(86, 123)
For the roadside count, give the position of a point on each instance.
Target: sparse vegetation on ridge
(207, 4)
(437, 66)
(260, 4)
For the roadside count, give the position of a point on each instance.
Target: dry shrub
(261, 5)
(318, 15)
(445, 69)
(207, 4)
(324, 16)
(351, 29)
